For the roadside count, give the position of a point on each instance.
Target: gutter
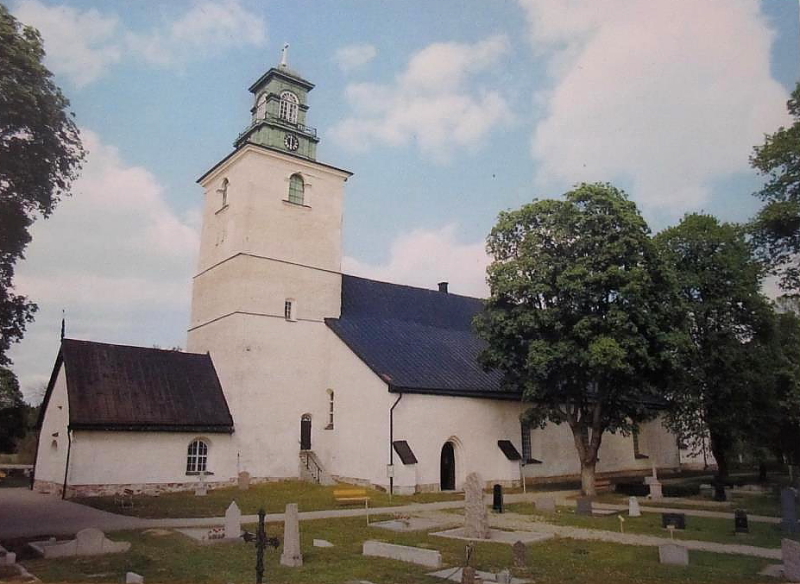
(391, 443)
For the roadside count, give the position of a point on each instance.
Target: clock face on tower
(291, 142)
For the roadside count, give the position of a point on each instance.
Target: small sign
(389, 471)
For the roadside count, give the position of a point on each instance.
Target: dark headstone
(762, 472)
(678, 520)
(789, 511)
(719, 491)
(497, 499)
(520, 552)
(740, 521)
(584, 506)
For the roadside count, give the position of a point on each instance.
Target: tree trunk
(719, 452)
(587, 478)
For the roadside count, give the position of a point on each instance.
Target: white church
(294, 369)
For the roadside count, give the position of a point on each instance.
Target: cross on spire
(284, 55)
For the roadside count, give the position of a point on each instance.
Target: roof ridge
(443, 294)
(159, 349)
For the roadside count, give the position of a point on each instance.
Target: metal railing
(295, 127)
(311, 466)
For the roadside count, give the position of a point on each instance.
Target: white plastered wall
(51, 458)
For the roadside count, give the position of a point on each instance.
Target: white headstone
(323, 543)
(655, 491)
(233, 521)
(673, 554)
(291, 555)
(633, 507)
(133, 578)
(476, 520)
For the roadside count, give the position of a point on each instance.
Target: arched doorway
(448, 467)
(305, 432)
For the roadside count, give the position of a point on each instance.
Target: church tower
(269, 272)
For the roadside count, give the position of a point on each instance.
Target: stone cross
(291, 555)
(633, 507)
(789, 511)
(519, 551)
(476, 521)
(233, 521)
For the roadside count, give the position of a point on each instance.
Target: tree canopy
(12, 411)
(40, 155)
(777, 225)
(583, 315)
(728, 364)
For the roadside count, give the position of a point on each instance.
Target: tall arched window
(330, 410)
(197, 457)
(223, 191)
(261, 107)
(288, 109)
(296, 189)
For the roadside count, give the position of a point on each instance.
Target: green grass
(272, 496)
(759, 504)
(175, 558)
(697, 528)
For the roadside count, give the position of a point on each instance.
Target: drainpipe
(66, 466)
(391, 443)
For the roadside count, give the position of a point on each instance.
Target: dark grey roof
(416, 340)
(117, 387)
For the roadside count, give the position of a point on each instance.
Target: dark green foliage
(583, 317)
(777, 225)
(726, 368)
(12, 411)
(40, 155)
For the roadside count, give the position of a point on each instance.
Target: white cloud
(79, 45)
(430, 103)
(354, 56)
(114, 255)
(83, 45)
(425, 257)
(669, 95)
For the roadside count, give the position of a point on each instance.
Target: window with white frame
(297, 189)
(330, 410)
(197, 457)
(261, 107)
(288, 107)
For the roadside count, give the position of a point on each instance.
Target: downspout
(391, 443)
(66, 466)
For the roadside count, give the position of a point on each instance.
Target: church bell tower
(269, 272)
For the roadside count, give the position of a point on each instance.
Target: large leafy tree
(727, 366)
(12, 411)
(40, 155)
(583, 317)
(777, 225)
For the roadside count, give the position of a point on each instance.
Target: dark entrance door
(305, 432)
(448, 467)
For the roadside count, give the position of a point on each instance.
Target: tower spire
(284, 55)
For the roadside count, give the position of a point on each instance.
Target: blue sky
(447, 112)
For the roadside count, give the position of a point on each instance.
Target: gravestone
(656, 494)
(520, 553)
(546, 505)
(468, 575)
(584, 506)
(671, 553)
(404, 553)
(503, 577)
(291, 555)
(719, 491)
(790, 554)
(476, 521)
(134, 578)
(789, 511)
(244, 480)
(633, 507)
(233, 521)
(677, 520)
(497, 498)
(740, 524)
(323, 543)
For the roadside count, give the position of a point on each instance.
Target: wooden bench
(352, 495)
(125, 499)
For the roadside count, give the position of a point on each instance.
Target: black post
(261, 543)
(497, 499)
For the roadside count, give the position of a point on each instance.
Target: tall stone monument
(291, 555)
(233, 521)
(476, 520)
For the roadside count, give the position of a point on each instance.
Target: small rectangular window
(525, 427)
(287, 310)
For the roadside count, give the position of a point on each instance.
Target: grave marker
(740, 524)
(291, 555)
(244, 480)
(476, 520)
(790, 554)
(789, 511)
(233, 521)
(545, 505)
(520, 553)
(497, 498)
(677, 520)
(674, 554)
(633, 507)
(584, 506)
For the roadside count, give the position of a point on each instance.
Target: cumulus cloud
(83, 45)
(430, 103)
(354, 56)
(425, 257)
(668, 95)
(115, 256)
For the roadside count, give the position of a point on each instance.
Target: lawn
(175, 558)
(272, 496)
(697, 528)
(767, 503)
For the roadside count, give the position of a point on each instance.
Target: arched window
(261, 107)
(296, 189)
(223, 191)
(330, 410)
(288, 109)
(197, 457)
